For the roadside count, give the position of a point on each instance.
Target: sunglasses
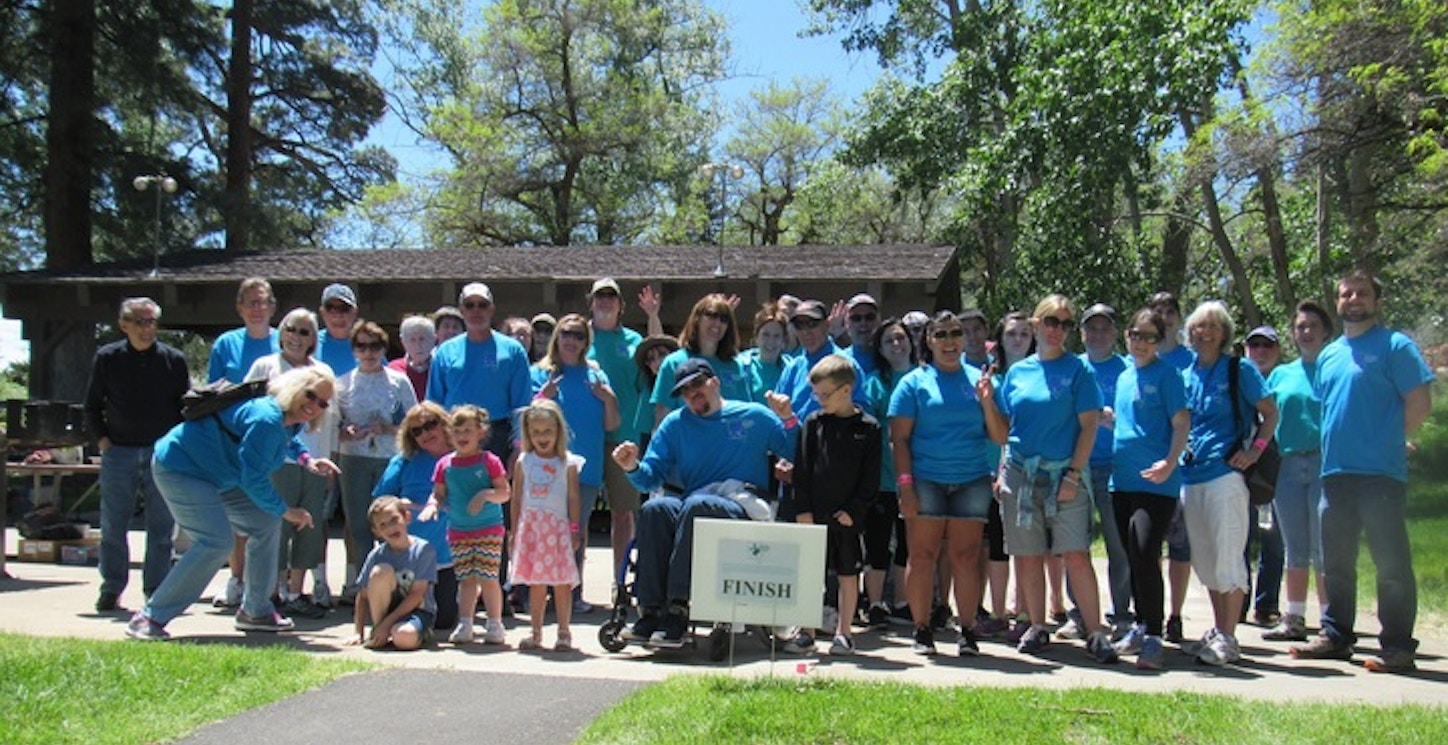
(805, 323)
(574, 335)
(321, 403)
(1261, 344)
(143, 322)
(336, 307)
(369, 346)
(478, 305)
(863, 318)
(948, 334)
(426, 426)
(1145, 337)
(1054, 322)
(298, 330)
(716, 315)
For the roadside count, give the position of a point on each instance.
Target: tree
(568, 121)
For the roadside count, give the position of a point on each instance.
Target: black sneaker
(900, 616)
(108, 602)
(670, 634)
(924, 641)
(300, 607)
(877, 617)
(643, 628)
(967, 646)
(1173, 630)
(940, 617)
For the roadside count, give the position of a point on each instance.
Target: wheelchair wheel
(610, 636)
(719, 642)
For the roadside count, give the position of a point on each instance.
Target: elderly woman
(215, 475)
(582, 390)
(943, 465)
(300, 549)
(372, 401)
(419, 337)
(1214, 493)
(422, 438)
(1051, 403)
(711, 333)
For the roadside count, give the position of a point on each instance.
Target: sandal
(531, 642)
(565, 643)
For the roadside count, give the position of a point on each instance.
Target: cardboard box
(44, 552)
(81, 553)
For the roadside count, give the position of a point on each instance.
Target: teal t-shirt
(1146, 400)
(733, 383)
(1299, 411)
(1044, 400)
(613, 350)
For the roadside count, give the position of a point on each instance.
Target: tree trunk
(1175, 246)
(1324, 252)
(1362, 205)
(238, 130)
(68, 139)
(1276, 238)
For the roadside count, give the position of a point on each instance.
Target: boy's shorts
(420, 621)
(477, 554)
(843, 553)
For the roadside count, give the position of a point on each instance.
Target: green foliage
(84, 691)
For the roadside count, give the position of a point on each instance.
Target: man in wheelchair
(718, 450)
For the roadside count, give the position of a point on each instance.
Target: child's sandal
(565, 643)
(531, 642)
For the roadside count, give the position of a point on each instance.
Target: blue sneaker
(1098, 645)
(1132, 642)
(1152, 655)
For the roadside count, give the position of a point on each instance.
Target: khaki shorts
(622, 496)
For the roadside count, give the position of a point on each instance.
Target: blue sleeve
(538, 377)
(391, 482)
(216, 365)
(783, 441)
(902, 401)
(1406, 367)
(262, 450)
(1254, 388)
(296, 448)
(426, 568)
(658, 459)
(1173, 392)
(521, 386)
(436, 381)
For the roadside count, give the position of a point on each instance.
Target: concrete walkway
(52, 600)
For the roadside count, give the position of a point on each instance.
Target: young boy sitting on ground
(394, 588)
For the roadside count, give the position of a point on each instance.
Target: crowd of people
(949, 458)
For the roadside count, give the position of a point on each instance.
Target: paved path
(51, 600)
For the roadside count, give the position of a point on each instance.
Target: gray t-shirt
(417, 562)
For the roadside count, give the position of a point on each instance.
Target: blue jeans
(666, 544)
(210, 517)
(124, 470)
(1269, 565)
(1375, 505)
(1298, 509)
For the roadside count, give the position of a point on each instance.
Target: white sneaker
(462, 634)
(493, 633)
(1070, 630)
(1222, 650)
(842, 645)
(231, 598)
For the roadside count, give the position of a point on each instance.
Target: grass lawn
(690, 709)
(58, 690)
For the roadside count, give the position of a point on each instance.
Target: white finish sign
(758, 573)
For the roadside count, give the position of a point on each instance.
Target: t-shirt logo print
(738, 430)
(540, 479)
(405, 578)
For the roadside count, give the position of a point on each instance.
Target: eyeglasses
(1055, 322)
(1145, 337)
(321, 403)
(258, 303)
(1261, 344)
(336, 307)
(805, 323)
(863, 317)
(298, 330)
(143, 322)
(478, 305)
(426, 426)
(944, 334)
(574, 335)
(715, 315)
(823, 396)
(369, 346)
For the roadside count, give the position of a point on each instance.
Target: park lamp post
(724, 171)
(164, 184)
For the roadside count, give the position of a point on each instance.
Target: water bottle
(1264, 516)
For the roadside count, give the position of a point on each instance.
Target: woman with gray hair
(300, 550)
(215, 474)
(1214, 493)
(419, 338)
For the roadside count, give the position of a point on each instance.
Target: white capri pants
(1216, 516)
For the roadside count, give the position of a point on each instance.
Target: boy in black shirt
(836, 476)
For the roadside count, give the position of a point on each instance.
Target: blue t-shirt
(864, 358)
(1179, 357)
(465, 477)
(492, 374)
(1299, 410)
(255, 442)
(1362, 382)
(418, 562)
(794, 381)
(336, 352)
(1043, 401)
(1107, 372)
(234, 351)
(1146, 400)
(613, 350)
(733, 383)
(411, 479)
(1214, 430)
(948, 442)
(732, 443)
(583, 412)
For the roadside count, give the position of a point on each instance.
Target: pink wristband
(904, 479)
(791, 422)
(1259, 445)
(573, 528)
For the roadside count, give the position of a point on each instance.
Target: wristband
(304, 459)
(1259, 444)
(904, 479)
(791, 422)
(573, 528)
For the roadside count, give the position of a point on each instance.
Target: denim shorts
(968, 501)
